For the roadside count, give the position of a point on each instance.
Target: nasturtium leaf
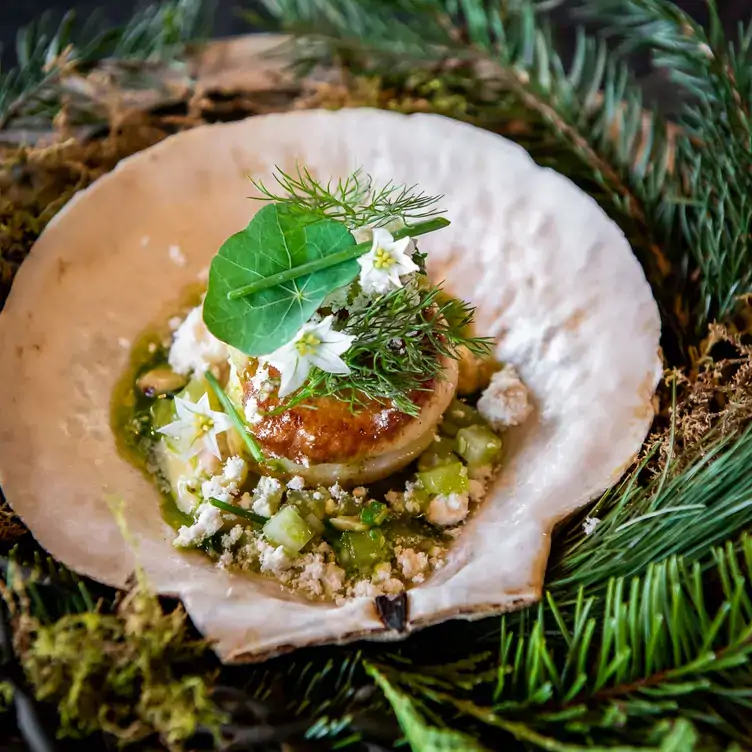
(278, 238)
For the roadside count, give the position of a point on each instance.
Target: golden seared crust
(331, 432)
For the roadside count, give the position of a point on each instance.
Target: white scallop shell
(553, 278)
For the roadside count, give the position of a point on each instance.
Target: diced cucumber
(478, 445)
(306, 504)
(316, 524)
(445, 479)
(459, 415)
(348, 523)
(374, 513)
(287, 528)
(362, 550)
(440, 452)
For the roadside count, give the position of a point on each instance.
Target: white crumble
(413, 564)
(476, 490)
(231, 538)
(208, 522)
(252, 411)
(505, 401)
(296, 483)
(448, 510)
(177, 256)
(589, 525)
(195, 348)
(267, 496)
(225, 485)
(337, 492)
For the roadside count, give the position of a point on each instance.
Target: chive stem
(240, 425)
(421, 228)
(238, 511)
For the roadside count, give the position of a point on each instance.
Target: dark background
(227, 21)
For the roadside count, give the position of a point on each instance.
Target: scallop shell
(554, 280)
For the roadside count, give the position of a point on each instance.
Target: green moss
(131, 673)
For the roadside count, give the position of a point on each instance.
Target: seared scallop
(327, 441)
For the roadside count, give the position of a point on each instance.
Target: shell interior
(553, 279)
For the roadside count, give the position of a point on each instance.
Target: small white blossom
(197, 426)
(382, 266)
(314, 345)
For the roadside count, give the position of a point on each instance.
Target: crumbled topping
(195, 349)
(222, 487)
(208, 522)
(413, 564)
(231, 538)
(267, 496)
(252, 411)
(476, 490)
(505, 402)
(296, 483)
(448, 510)
(589, 525)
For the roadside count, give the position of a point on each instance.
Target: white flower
(382, 266)
(314, 345)
(197, 426)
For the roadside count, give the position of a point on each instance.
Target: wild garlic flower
(197, 427)
(315, 344)
(382, 267)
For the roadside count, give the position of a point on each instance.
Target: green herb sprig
(401, 338)
(269, 279)
(353, 200)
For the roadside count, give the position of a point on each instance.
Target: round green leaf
(278, 238)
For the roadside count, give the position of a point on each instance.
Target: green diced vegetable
(445, 479)
(316, 524)
(306, 504)
(362, 550)
(440, 452)
(374, 513)
(348, 523)
(459, 415)
(478, 445)
(287, 528)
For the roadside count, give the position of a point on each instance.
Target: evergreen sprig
(47, 53)
(715, 153)
(656, 646)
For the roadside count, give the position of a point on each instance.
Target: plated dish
(108, 318)
(332, 430)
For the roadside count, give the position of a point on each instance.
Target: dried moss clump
(131, 673)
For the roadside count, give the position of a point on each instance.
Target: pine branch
(715, 74)
(46, 55)
(662, 647)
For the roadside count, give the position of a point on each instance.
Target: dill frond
(353, 200)
(401, 338)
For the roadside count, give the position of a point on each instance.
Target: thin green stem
(238, 511)
(250, 441)
(421, 228)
